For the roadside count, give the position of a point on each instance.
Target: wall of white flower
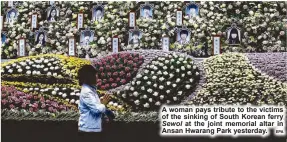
(47, 28)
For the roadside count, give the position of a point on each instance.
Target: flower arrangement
(117, 69)
(11, 98)
(272, 64)
(168, 79)
(262, 23)
(232, 80)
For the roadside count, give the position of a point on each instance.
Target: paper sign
(34, 21)
(179, 18)
(115, 45)
(216, 45)
(165, 43)
(72, 47)
(132, 20)
(80, 20)
(21, 49)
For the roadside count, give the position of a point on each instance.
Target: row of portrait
(146, 11)
(183, 37)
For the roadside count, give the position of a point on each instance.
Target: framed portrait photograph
(53, 13)
(72, 46)
(146, 11)
(98, 12)
(10, 4)
(3, 37)
(12, 15)
(134, 37)
(192, 10)
(216, 45)
(132, 19)
(22, 47)
(233, 35)
(40, 37)
(183, 36)
(86, 37)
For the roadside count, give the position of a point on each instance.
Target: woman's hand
(106, 99)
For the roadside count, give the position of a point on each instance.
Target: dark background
(67, 131)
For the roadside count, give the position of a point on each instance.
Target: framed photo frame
(216, 45)
(115, 44)
(233, 35)
(86, 36)
(53, 13)
(80, 20)
(183, 35)
(165, 43)
(98, 12)
(40, 36)
(192, 10)
(132, 19)
(179, 18)
(3, 37)
(34, 21)
(146, 10)
(12, 15)
(21, 47)
(72, 46)
(135, 36)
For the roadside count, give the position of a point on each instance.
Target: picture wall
(87, 29)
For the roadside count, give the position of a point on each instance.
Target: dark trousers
(90, 137)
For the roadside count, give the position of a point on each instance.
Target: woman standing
(90, 106)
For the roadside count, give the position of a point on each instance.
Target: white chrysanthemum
(174, 85)
(139, 76)
(46, 69)
(146, 105)
(177, 80)
(55, 74)
(127, 87)
(161, 79)
(157, 103)
(138, 82)
(161, 87)
(191, 80)
(159, 73)
(155, 85)
(171, 67)
(115, 104)
(124, 95)
(77, 102)
(155, 94)
(64, 95)
(165, 67)
(179, 93)
(185, 62)
(161, 97)
(154, 77)
(13, 65)
(168, 101)
(189, 73)
(145, 78)
(78, 94)
(137, 102)
(183, 75)
(132, 88)
(196, 73)
(187, 86)
(177, 70)
(166, 61)
(146, 71)
(167, 91)
(143, 88)
(152, 72)
(133, 83)
(111, 103)
(188, 66)
(54, 92)
(72, 101)
(178, 62)
(194, 67)
(175, 98)
(144, 96)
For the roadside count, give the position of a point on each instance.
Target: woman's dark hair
(43, 40)
(234, 31)
(87, 75)
(87, 33)
(136, 33)
(50, 14)
(146, 7)
(99, 8)
(183, 32)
